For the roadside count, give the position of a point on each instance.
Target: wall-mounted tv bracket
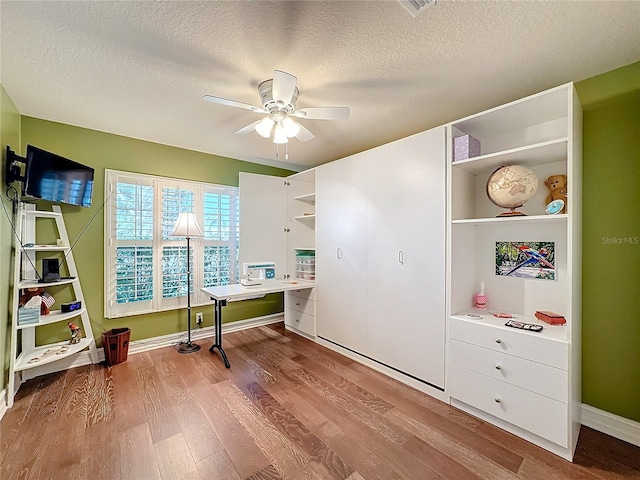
(15, 167)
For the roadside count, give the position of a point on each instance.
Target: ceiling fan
(279, 96)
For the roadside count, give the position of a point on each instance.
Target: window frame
(157, 303)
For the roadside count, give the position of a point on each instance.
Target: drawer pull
(498, 366)
(297, 304)
(497, 400)
(498, 340)
(298, 320)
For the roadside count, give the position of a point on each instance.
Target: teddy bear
(557, 185)
(29, 293)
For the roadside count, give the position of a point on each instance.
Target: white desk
(230, 293)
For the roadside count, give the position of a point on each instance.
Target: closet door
(341, 252)
(406, 255)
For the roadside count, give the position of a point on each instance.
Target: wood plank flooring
(287, 409)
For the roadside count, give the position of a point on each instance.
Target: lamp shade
(187, 226)
(279, 135)
(264, 127)
(291, 128)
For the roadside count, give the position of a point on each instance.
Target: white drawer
(308, 293)
(300, 321)
(300, 304)
(535, 413)
(536, 377)
(529, 345)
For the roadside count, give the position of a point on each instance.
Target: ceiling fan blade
(232, 103)
(248, 129)
(323, 113)
(304, 135)
(284, 84)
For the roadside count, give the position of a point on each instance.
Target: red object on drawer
(551, 318)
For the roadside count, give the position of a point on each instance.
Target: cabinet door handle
(498, 366)
(497, 400)
(339, 253)
(400, 257)
(297, 304)
(498, 340)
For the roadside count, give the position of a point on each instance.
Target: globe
(511, 187)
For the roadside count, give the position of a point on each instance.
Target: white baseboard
(3, 403)
(199, 334)
(614, 425)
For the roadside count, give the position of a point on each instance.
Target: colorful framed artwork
(526, 260)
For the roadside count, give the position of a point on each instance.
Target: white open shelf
(43, 214)
(22, 362)
(561, 217)
(517, 115)
(36, 284)
(535, 154)
(308, 198)
(557, 333)
(44, 248)
(53, 317)
(305, 217)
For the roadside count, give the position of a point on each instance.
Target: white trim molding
(140, 346)
(614, 425)
(3, 403)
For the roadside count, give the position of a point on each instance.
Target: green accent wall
(611, 241)
(9, 135)
(107, 151)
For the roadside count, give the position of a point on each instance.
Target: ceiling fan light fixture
(279, 134)
(264, 127)
(291, 128)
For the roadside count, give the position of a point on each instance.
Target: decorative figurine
(557, 185)
(76, 334)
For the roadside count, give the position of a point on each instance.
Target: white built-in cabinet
(263, 207)
(406, 217)
(404, 234)
(525, 382)
(381, 255)
(277, 221)
(341, 252)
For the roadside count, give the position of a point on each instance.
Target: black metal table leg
(218, 304)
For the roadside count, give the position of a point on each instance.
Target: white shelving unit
(300, 305)
(278, 220)
(22, 365)
(497, 373)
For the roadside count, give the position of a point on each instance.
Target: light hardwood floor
(287, 408)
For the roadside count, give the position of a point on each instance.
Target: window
(146, 268)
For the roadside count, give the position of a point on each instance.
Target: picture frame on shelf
(530, 260)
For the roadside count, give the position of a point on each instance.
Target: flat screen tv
(57, 179)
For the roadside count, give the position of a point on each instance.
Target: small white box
(465, 147)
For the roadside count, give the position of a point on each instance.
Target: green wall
(611, 241)
(102, 150)
(9, 135)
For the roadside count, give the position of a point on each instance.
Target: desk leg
(218, 304)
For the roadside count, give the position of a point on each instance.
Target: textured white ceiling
(140, 69)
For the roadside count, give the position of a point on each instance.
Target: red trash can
(116, 345)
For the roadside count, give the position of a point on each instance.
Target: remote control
(532, 327)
